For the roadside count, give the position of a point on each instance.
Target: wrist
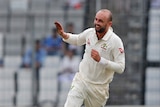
(103, 61)
(65, 35)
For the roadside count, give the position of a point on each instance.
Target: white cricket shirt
(111, 50)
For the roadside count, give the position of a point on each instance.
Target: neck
(100, 35)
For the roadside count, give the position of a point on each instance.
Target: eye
(101, 21)
(95, 19)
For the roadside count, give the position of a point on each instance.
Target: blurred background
(36, 67)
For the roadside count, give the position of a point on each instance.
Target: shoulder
(89, 30)
(48, 37)
(116, 41)
(116, 38)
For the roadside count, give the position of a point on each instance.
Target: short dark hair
(37, 41)
(54, 29)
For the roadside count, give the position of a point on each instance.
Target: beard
(101, 30)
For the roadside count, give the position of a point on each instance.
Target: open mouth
(97, 26)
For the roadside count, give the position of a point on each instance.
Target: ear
(110, 23)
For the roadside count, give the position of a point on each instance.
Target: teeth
(97, 26)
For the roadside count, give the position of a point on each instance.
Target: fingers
(59, 28)
(94, 52)
(58, 25)
(95, 55)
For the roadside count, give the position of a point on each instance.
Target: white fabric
(103, 61)
(71, 65)
(92, 95)
(109, 47)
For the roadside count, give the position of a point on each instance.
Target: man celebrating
(103, 56)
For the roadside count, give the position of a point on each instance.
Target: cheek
(106, 25)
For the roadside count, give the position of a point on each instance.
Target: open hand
(59, 28)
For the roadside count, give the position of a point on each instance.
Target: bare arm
(60, 30)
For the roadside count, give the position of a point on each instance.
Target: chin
(97, 30)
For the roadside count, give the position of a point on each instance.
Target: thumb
(60, 30)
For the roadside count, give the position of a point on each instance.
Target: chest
(104, 47)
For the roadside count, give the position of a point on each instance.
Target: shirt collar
(108, 34)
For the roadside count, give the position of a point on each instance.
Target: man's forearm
(117, 67)
(64, 35)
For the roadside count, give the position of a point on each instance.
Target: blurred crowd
(52, 45)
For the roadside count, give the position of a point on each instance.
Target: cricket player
(104, 55)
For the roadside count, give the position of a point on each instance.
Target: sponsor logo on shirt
(121, 50)
(104, 46)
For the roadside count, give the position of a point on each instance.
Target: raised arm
(60, 30)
